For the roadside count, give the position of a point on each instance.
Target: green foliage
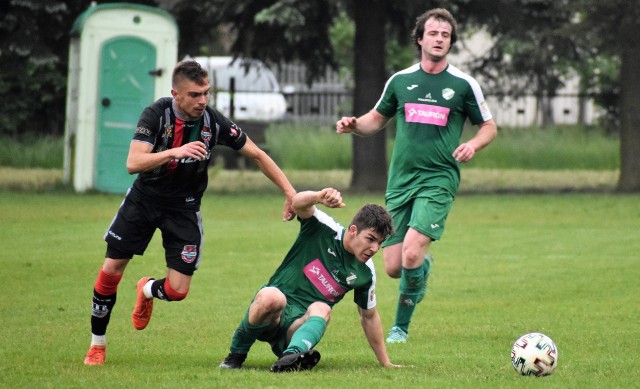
(506, 265)
(32, 151)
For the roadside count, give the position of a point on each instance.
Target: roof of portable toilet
(78, 25)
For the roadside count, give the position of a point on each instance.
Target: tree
(34, 47)
(369, 164)
(611, 29)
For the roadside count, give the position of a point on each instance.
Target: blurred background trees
(536, 43)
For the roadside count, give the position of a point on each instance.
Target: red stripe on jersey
(178, 133)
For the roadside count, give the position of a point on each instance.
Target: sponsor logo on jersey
(323, 281)
(331, 252)
(143, 131)
(234, 130)
(428, 99)
(113, 234)
(168, 130)
(426, 113)
(412, 87)
(435, 226)
(352, 277)
(189, 253)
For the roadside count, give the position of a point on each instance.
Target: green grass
(309, 147)
(557, 148)
(564, 265)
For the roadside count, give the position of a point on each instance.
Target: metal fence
(523, 111)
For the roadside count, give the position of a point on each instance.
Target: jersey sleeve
(149, 124)
(388, 103)
(230, 134)
(365, 297)
(475, 104)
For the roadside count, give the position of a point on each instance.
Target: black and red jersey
(181, 183)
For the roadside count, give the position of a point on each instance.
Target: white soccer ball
(534, 354)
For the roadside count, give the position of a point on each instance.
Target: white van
(257, 94)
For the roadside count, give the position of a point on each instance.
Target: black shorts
(136, 221)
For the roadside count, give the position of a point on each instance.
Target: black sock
(101, 312)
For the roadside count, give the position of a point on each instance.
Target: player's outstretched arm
(367, 124)
(304, 203)
(270, 169)
(372, 327)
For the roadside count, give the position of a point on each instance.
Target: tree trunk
(369, 166)
(629, 102)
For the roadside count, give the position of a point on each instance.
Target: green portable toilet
(121, 57)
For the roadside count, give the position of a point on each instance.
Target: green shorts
(425, 211)
(277, 337)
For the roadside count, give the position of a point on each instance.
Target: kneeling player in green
(326, 261)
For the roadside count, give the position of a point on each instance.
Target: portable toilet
(121, 58)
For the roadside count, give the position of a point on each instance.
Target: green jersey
(319, 268)
(430, 112)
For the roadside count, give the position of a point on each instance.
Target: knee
(320, 309)
(392, 270)
(270, 299)
(412, 256)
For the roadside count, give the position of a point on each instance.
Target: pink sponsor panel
(426, 113)
(323, 281)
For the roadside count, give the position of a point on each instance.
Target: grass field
(564, 265)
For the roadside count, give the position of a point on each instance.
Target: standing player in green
(431, 101)
(292, 310)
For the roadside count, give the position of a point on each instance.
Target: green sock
(308, 335)
(245, 335)
(426, 268)
(411, 283)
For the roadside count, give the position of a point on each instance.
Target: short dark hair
(439, 14)
(190, 70)
(376, 217)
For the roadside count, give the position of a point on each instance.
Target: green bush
(32, 151)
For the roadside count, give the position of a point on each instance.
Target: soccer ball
(534, 354)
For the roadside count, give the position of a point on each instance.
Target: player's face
(191, 98)
(436, 40)
(365, 243)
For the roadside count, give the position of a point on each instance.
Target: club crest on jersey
(448, 93)
(206, 134)
(189, 253)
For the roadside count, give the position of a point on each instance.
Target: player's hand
(331, 198)
(289, 213)
(346, 125)
(464, 152)
(196, 150)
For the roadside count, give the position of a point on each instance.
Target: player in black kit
(171, 151)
